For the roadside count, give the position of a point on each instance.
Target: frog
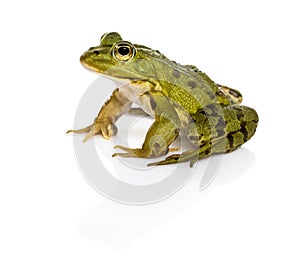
(180, 98)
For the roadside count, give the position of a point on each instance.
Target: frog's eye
(123, 51)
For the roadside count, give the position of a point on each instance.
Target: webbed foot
(191, 156)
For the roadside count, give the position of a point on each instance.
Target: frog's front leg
(162, 132)
(117, 105)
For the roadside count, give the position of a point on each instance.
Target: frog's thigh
(162, 132)
(235, 126)
(226, 128)
(241, 123)
(209, 125)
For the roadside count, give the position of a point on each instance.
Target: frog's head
(117, 58)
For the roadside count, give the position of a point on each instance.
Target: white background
(49, 212)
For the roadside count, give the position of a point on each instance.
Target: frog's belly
(139, 97)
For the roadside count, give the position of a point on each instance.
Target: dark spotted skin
(192, 84)
(176, 73)
(217, 129)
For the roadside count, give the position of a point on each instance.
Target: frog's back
(186, 85)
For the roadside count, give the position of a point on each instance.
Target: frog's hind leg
(190, 155)
(226, 132)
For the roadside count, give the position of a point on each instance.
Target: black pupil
(123, 50)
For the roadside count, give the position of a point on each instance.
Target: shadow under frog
(120, 225)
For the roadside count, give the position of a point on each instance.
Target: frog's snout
(83, 58)
(88, 58)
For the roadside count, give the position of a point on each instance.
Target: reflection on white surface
(118, 225)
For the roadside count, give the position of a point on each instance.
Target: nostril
(96, 52)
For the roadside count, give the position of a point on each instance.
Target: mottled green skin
(177, 96)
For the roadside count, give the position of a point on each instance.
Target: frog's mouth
(116, 79)
(108, 74)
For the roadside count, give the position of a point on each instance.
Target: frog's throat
(119, 80)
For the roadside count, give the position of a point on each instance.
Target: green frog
(180, 98)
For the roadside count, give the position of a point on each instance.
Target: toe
(122, 148)
(84, 130)
(89, 135)
(124, 155)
